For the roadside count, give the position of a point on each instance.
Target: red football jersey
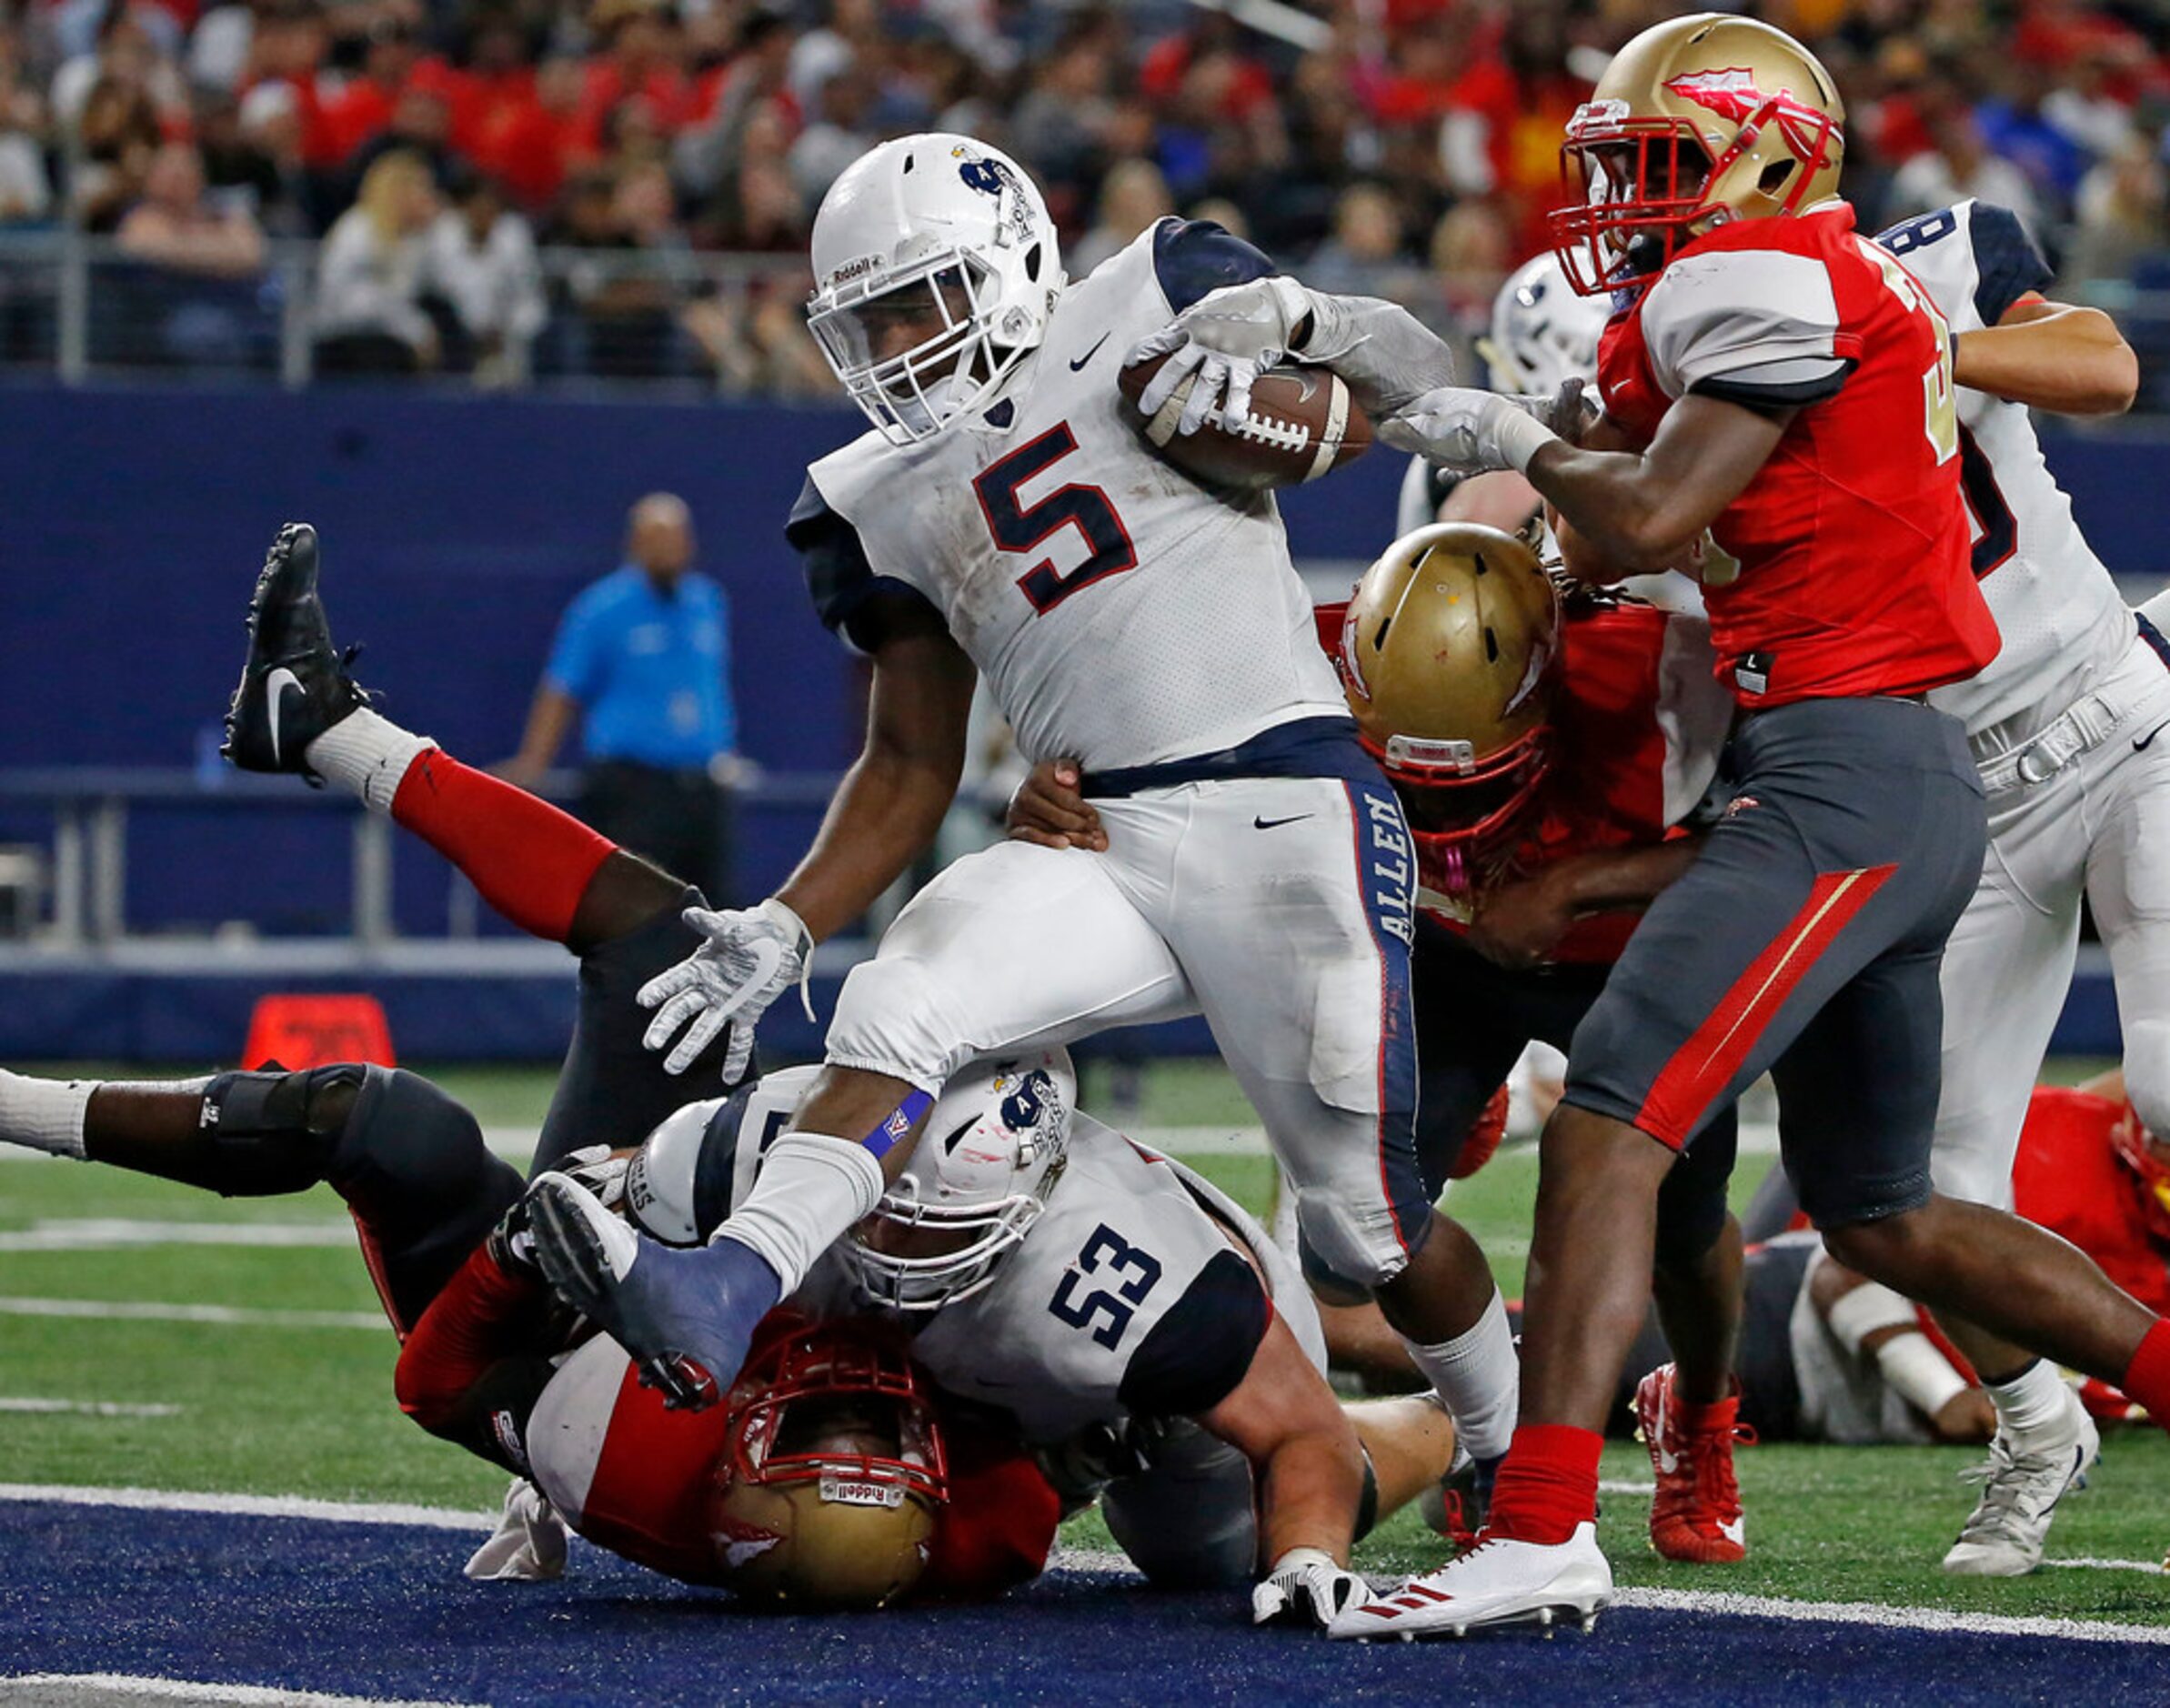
(2068, 1179)
(1852, 540)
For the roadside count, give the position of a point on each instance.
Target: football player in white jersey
(2062, 723)
(1005, 519)
(1142, 1331)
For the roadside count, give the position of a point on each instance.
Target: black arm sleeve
(848, 595)
(1771, 399)
(1193, 257)
(2008, 265)
(1198, 1353)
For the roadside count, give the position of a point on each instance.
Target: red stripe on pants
(1705, 1066)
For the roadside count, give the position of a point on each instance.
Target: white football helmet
(991, 1150)
(1543, 333)
(935, 271)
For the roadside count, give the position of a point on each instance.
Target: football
(1303, 423)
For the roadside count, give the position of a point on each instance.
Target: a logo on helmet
(1022, 1108)
(989, 177)
(1733, 95)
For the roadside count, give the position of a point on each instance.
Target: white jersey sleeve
(2056, 608)
(1121, 614)
(1755, 327)
(1126, 1297)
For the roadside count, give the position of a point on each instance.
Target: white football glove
(751, 956)
(1227, 338)
(1463, 429)
(528, 1544)
(1305, 1588)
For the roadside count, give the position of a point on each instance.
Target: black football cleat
(295, 685)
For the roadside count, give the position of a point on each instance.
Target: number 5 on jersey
(1022, 527)
(1106, 1256)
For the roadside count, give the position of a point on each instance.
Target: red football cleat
(1696, 1514)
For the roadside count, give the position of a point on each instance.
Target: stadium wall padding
(456, 527)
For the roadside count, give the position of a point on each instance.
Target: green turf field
(301, 1404)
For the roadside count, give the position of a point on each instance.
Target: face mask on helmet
(1697, 122)
(990, 1152)
(832, 1470)
(937, 270)
(2149, 1161)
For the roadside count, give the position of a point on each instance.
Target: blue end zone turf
(383, 1611)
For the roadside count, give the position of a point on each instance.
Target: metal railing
(88, 879)
(83, 308)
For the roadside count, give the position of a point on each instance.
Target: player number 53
(1129, 1274)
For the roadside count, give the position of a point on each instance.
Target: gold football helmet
(1696, 122)
(1446, 656)
(832, 1469)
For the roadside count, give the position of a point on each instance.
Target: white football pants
(2098, 826)
(1279, 908)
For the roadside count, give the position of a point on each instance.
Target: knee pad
(409, 1144)
(2147, 1071)
(276, 1132)
(891, 1018)
(1347, 1243)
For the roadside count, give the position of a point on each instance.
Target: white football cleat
(2022, 1484)
(1497, 1582)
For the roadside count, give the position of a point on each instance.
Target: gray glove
(1460, 428)
(750, 957)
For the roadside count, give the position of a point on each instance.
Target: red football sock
(1547, 1484)
(530, 861)
(2147, 1378)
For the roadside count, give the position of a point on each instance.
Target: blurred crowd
(1405, 148)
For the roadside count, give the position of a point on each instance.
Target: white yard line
(107, 1232)
(2146, 1568)
(187, 1689)
(88, 1408)
(1778, 1607)
(231, 1316)
(253, 1505)
(1609, 1485)
(1909, 1617)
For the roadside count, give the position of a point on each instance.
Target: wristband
(1520, 438)
(1866, 1309)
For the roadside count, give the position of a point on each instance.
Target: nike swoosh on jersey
(1078, 366)
(1275, 824)
(275, 685)
(2142, 744)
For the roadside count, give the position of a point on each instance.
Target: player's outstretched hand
(1460, 428)
(1307, 1589)
(1227, 338)
(1047, 809)
(750, 957)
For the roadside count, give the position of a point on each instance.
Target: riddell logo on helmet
(1732, 93)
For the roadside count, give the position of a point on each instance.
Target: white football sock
(812, 1187)
(367, 756)
(1478, 1378)
(2034, 1400)
(44, 1114)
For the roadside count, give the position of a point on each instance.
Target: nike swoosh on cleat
(275, 685)
(1275, 824)
(1078, 366)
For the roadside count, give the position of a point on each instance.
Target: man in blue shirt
(642, 661)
